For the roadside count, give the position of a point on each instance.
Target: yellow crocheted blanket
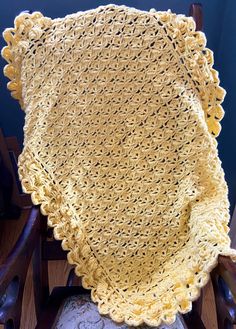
(122, 108)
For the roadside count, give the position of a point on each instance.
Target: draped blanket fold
(122, 110)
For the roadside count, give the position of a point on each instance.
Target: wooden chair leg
(40, 271)
(193, 319)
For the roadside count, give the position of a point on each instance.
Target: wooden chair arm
(224, 285)
(14, 269)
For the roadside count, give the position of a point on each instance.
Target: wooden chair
(14, 262)
(37, 238)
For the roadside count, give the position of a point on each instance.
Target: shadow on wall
(220, 30)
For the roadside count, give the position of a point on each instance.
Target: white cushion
(79, 312)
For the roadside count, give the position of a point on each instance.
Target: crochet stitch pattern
(122, 107)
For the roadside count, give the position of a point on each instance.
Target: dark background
(220, 30)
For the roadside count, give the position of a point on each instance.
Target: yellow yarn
(122, 109)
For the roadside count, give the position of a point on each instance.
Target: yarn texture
(122, 107)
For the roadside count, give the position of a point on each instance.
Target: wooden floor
(58, 272)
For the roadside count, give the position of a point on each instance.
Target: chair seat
(79, 312)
